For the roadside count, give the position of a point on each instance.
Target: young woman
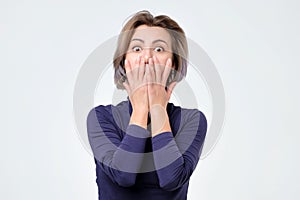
(146, 147)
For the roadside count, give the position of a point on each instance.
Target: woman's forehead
(147, 33)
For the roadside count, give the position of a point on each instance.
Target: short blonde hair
(178, 39)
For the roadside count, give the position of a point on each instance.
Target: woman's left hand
(157, 76)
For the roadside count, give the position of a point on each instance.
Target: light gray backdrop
(253, 44)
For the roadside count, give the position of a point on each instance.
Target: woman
(146, 147)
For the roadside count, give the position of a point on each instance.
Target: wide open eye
(158, 49)
(136, 49)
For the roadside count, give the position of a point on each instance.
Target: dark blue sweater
(131, 165)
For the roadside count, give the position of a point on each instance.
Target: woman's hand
(158, 97)
(157, 78)
(136, 87)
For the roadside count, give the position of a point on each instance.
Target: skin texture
(148, 64)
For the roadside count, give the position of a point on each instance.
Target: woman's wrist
(159, 120)
(139, 117)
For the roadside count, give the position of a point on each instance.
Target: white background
(253, 44)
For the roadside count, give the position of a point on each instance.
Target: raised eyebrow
(137, 39)
(155, 41)
(160, 40)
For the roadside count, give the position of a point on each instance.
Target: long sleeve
(176, 157)
(120, 157)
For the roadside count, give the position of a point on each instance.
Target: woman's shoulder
(100, 109)
(183, 111)
(109, 107)
(110, 111)
(182, 118)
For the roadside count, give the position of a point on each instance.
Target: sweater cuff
(134, 139)
(161, 140)
(137, 131)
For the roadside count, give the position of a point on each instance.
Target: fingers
(170, 89)
(136, 72)
(128, 70)
(157, 69)
(127, 88)
(166, 72)
(127, 65)
(136, 68)
(158, 73)
(147, 76)
(141, 71)
(151, 71)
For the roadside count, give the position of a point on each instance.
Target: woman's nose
(147, 53)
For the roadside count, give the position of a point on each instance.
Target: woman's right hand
(136, 85)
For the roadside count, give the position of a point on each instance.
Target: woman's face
(148, 42)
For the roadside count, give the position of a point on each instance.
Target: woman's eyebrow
(155, 41)
(137, 39)
(160, 40)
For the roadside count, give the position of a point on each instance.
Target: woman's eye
(136, 49)
(158, 49)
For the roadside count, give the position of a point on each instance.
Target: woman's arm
(176, 158)
(120, 158)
